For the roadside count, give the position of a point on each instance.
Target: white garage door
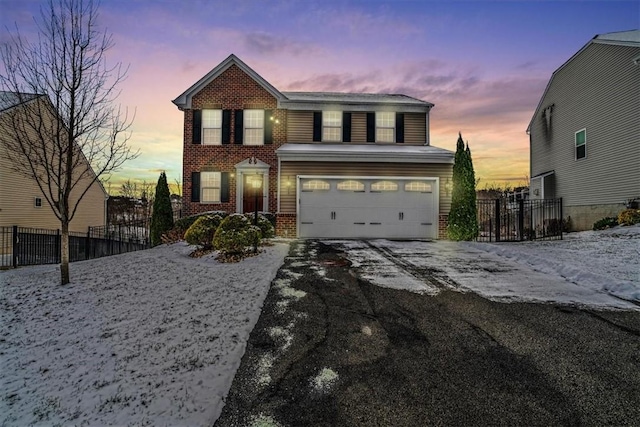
(379, 207)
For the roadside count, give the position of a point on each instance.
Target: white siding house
(585, 132)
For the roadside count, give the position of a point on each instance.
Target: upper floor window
(210, 183)
(581, 144)
(253, 127)
(212, 127)
(332, 126)
(37, 202)
(385, 126)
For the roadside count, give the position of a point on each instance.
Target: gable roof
(184, 100)
(12, 99)
(306, 100)
(619, 38)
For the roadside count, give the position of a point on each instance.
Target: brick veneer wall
(286, 225)
(232, 90)
(442, 226)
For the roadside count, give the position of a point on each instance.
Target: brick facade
(232, 90)
(443, 221)
(286, 225)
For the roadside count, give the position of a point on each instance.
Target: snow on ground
(147, 338)
(605, 261)
(595, 269)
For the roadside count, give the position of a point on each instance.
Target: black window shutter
(399, 127)
(226, 126)
(268, 127)
(197, 126)
(239, 127)
(195, 186)
(224, 187)
(371, 127)
(346, 126)
(317, 126)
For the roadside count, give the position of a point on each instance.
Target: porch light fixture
(274, 120)
(448, 186)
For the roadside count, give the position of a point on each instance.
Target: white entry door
(371, 207)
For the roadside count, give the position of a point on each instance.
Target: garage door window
(384, 186)
(315, 185)
(418, 186)
(350, 185)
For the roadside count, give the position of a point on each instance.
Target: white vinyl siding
(210, 187)
(253, 127)
(332, 126)
(385, 126)
(212, 127)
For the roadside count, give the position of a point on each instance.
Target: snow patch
(325, 380)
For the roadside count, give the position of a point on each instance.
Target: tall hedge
(162, 217)
(463, 217)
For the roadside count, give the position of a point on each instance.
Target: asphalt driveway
(332, 349)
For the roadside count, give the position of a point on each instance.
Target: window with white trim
(212, 127)
(581, 144)
(332, 126)
(350, 185)
(253, 127)
(419, 186)
(385, 126)
(315, 185)
(384, 186)
(210, 183)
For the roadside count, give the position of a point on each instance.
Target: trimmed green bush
(162, 216)
(629, 217)
(202, 231)
(183, 224)
(265, 225)
(604, 223)
(463, 216)
(235, 234)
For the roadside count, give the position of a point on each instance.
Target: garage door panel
(337, 213)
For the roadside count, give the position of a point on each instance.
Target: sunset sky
(484, 64)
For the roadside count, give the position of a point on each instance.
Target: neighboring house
(585, 133)
(326, 164)
(22, 203)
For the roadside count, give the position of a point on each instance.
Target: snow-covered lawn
(145, 338)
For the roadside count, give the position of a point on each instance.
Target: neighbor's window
(384, 186)
(421, 186)
(210, 187)
(212, 127)
(581, 144)
(37, 202)
(253, 127)
(315, 184)
(332, 126)
(350, 185)
(385, 126)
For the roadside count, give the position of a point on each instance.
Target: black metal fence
(500, 220)
(33, 246)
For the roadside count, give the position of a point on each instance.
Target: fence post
(497, 220)
(87, 242)
(521, 220)
(16, 242)
(58, 246)
(561, 220)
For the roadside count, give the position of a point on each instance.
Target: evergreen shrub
(235, 234)
(629, 217)
(201, 232)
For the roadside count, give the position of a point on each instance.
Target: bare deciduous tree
(70, 131)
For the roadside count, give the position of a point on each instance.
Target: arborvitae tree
(463, 220)
(162, 216)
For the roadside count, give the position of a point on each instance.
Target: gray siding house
(584, 137)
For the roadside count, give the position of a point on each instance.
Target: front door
(249, 193)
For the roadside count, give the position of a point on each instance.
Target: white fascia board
(348, 106)
(365, 157)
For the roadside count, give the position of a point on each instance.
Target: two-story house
(22, 201)
(585, 133)
(335, 165)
